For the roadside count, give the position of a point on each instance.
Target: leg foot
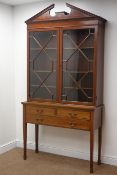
(25, 140)
(91, 149)
(99, 145)
(36, 138)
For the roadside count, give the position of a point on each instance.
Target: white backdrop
(7, 81)
(64, 141)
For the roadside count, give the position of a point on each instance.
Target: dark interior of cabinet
(78, 56)
(43, 59)
(77, 69)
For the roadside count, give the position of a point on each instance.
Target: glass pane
(43, 58)
(78, 55)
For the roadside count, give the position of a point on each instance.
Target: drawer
(55, 121)
(34, 113)
(79, 124)
(74, 114)
(60, 122)
(66, 122)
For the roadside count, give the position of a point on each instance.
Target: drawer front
(74, 114)
(79, 124)
(34, 113)
(62, 122)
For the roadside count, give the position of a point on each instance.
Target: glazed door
(77, 61)
(42, 64)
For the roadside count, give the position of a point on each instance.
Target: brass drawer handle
(40, 111)
(84, 118)
(72, 115)
(39, 119)
(72, 124)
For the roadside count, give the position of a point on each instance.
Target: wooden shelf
(43, 71)
(42, 48)
(33, 85)
(72, 48)
(50, 86)
(78, 88)
(79, 72)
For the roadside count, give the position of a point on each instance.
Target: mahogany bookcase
(65, 73)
